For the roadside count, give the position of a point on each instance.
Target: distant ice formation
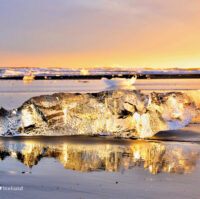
(124, 83)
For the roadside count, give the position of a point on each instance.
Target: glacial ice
(120, 113)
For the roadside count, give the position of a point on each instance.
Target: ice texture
(119, 113)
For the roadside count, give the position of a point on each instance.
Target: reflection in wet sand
(113, 156)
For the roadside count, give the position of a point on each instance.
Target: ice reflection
(96, 154)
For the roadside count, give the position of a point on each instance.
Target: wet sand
(166, 166)
(99, 168)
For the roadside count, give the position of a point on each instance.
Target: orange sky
(100, 33)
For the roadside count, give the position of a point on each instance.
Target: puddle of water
(89, 154)
(87, 167)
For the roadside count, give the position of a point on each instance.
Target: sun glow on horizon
(90, 61)
(100, 34)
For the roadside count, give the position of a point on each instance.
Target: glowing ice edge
(142, 121)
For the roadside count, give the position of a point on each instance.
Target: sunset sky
(100, 33)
